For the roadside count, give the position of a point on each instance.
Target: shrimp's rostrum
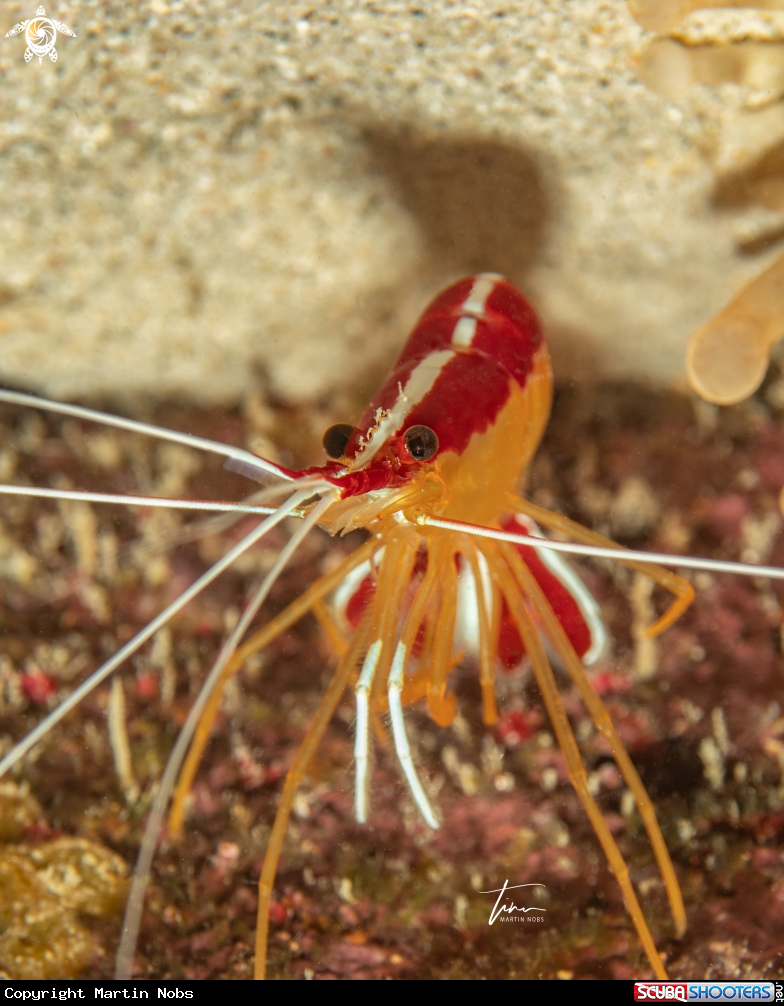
(447, 436)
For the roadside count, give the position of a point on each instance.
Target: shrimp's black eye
(335, 440)
(421, 443)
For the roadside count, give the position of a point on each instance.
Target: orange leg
(427, 596)
(683, 590)
(566, 739)
(330, 628)
(318, 590)
(392, 581)
(606, 728)
(442, 705)
(380, 732)
(294, 778)
(415, 685)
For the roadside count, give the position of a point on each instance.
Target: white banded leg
(402, 746)
(362, 732)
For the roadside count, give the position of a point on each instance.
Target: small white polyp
(402, 746)
(362, 735)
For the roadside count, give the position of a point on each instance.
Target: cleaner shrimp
(455, 564)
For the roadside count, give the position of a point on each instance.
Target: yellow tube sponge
(728, 356)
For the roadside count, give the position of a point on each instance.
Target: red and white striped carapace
(476, 372)
(447, 438)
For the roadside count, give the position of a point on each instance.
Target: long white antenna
(43, 728)
(135, 903)
(599, 551)
(213, 446)
(213, 506)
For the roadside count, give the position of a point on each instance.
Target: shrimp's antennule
(43, 728)
(440, 543)
(166, 503)
(134, 426)
(133, 909)
(257, 470)
(573, 548)
(602, 552)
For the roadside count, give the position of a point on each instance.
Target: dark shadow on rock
(481, 204)
(670, 767)
(478, 203)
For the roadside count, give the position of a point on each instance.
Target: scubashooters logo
(650, 991)
(707, 991)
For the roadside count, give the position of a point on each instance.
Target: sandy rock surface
(200, 199)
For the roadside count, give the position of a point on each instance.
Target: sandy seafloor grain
(392, 900)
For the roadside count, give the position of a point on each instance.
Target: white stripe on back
(484, 284)
(464, 332)
(420, 382)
